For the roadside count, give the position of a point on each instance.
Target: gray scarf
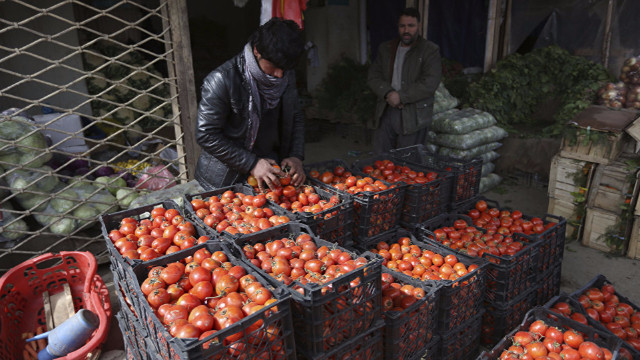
(266, 91)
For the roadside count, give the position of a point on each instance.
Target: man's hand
(265, 172)
(393, 99)
(296, 171)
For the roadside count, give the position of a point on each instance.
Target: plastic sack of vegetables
(469, 140)
(462, 121)
(12, 227)
(633, 97)
(487, 168)
(21, 143)
(488, 156)
(469, 154)
(443, 100)
(32, 188)
(612, 95)
(630, 71)
(57, 223)
(489, 182)
(156, 178)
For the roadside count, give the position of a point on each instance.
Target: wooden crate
(567, 210)
(561, 177)
(611, 187)
(595, 226)
(634, 239)
(592, 152)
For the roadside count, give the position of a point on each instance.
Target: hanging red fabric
(290, 9)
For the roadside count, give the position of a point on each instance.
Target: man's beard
(410, 40)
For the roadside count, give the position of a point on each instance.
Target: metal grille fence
(84, 86)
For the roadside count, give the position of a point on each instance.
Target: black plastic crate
(330, 314)
(421, 201)
(600, 338)
(236, 188)
(132, 328)
(461, 299)
(507, 276)
(367, 346)
(548, 284)
(551, 241)
(410, 334)
(598, 281)
(463, 341)
(501, 318)
(466, 174)
(279, 345)
(334, 224)
(373, 213)
(131, 352)
(112, 222)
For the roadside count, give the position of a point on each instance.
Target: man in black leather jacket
(249, 118)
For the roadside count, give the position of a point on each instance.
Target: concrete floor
(580, 264)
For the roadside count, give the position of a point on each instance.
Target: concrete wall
(334, 29)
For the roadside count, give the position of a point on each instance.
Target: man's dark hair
(413, 12)
(280, 42)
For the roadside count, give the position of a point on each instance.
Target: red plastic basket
(21, 290)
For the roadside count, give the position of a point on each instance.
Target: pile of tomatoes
(301, 260)
(303, 199)
(505, 222)
(622, 319)
(543, 341)
(463, 237)
(425, 264)
(236, 213)
(344, 180)
(397, 296)
(206, 293)
(388, 171)
(164, 233)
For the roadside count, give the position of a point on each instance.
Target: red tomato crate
(501, 318)
(373, 213)
(461, 299)
(551, 240)
(466, 174)
(463, 341)
(596, 336)
(421, 201)
(331, 314)
(507, 276)
(598, 281)
(280, 346)
(236, 188)
(112, 222)
(334, 224)
(23, 308)
(411, 333)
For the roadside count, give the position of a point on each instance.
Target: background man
(404, 76)
(249, 117)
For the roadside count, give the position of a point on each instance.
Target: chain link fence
(90, 119)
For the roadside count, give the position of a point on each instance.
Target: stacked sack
(465, 134)
(625, 93)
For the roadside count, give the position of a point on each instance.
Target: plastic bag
(443, 100)
(470, 153)
(630, 71)
(12, 227)
(633, 97)
(488, 156)
(462, 121)
(487, 168)
(469, 140)
(489, 182)
(29, 142)
(612, 95)
(156, 178)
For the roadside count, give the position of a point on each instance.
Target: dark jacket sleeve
(428, 79)
(375, 77)
(214, 111)
(297, 138)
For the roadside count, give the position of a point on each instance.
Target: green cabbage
(64, 200)
(86, 213)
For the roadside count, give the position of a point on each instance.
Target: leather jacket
(222, 126)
